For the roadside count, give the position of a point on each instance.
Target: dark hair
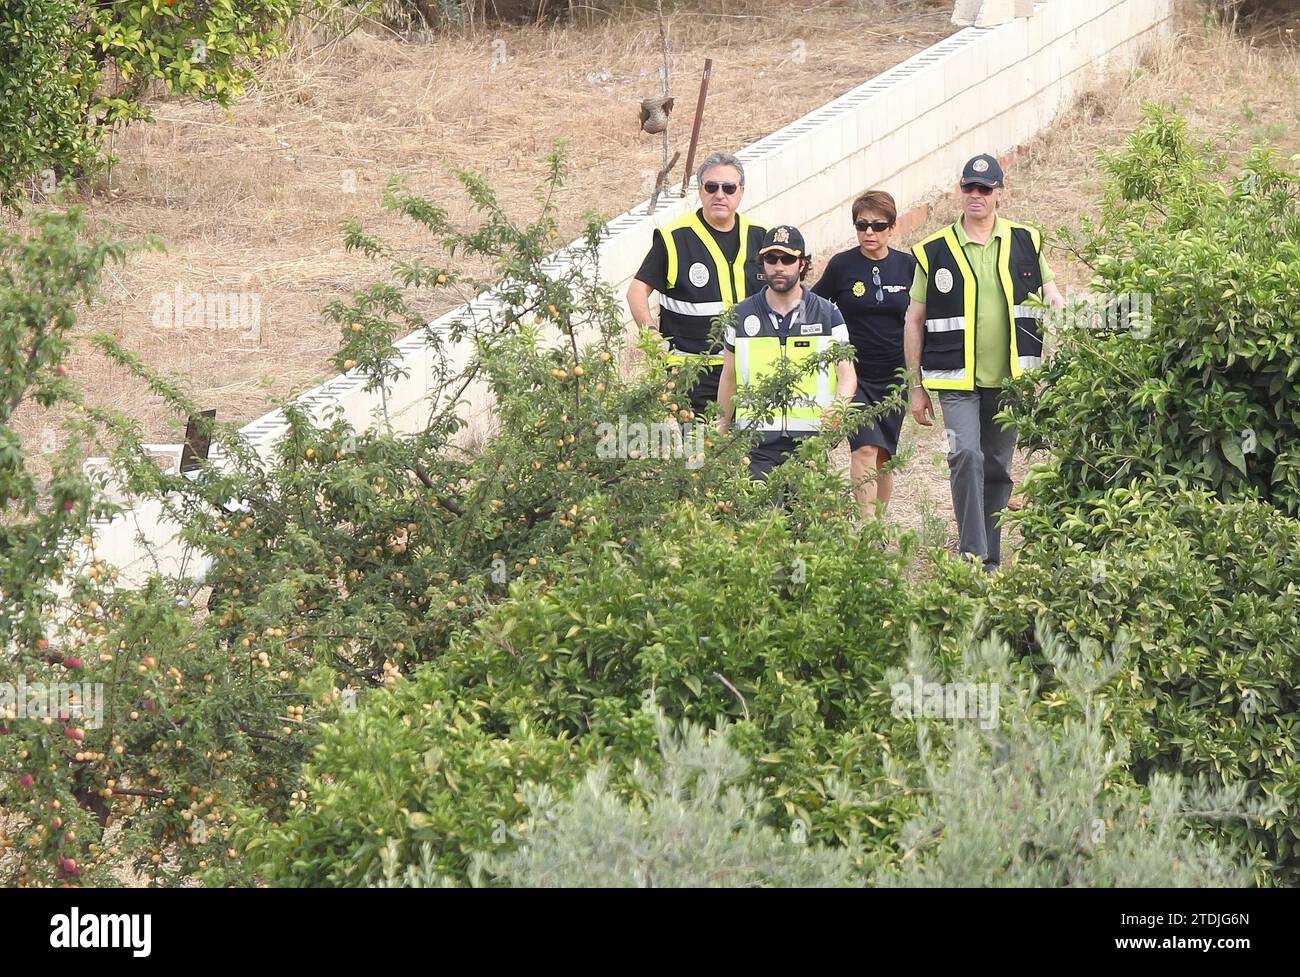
(878, 202)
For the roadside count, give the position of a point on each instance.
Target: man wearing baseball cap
(784, 322)
(969, 328)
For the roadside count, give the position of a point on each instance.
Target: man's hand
(922, 407)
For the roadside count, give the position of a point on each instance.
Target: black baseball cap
(984, 170)
(785, 238)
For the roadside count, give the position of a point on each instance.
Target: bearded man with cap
(783, 322)
(969, 328)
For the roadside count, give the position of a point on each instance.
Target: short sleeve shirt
(873, 297)
(992, 327)
(654, 269)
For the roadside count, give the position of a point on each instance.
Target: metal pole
(699, 118)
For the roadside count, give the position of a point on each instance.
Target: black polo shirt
(874, 313)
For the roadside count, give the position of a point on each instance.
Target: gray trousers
(979, 468)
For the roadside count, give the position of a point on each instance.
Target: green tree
(73, 69)
(1192, 378)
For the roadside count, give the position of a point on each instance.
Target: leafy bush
(1045, 799)
(338, 563)
(695, 828)
(1207, 592)
(47, 82)
(80, 67)
(342, 561)
(1041, 798)
(542, 596)
(1165, 510)
(45, 276)
(787, 635)
(1203, 391)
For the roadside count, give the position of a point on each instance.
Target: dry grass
(253, 201)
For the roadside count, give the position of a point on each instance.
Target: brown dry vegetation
(253, 201)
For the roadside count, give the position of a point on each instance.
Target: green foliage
(1206, 391)
(1166, 510)
(785, 633)
(1034, 818)
(80, 67)
(44, 277)
(48, 77)
(415, 766)
(1207, 593)
(344, 560)
(192, 47)
(1044, 800)
(694, 828)
(419, 642)
(333, 564)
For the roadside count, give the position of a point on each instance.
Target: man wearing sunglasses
(784, 322)
(701, 265)
(971, 326)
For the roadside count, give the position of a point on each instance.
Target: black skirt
(885, 431)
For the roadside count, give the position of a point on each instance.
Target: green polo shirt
(992, 327)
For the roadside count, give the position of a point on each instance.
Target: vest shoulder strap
(919, 249)
(666, 232)
(1035, 234)
(677, 223)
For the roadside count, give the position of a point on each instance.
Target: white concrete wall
(908, 131)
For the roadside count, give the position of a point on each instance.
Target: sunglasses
(784, 259)
(878, 226)
(979, 188)
(875, 280)
(728, 188)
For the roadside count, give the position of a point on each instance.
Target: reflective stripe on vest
(693, 308)
(677, 358)
(813, 393)
(942, 374)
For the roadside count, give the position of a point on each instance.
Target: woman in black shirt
(870, 284)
